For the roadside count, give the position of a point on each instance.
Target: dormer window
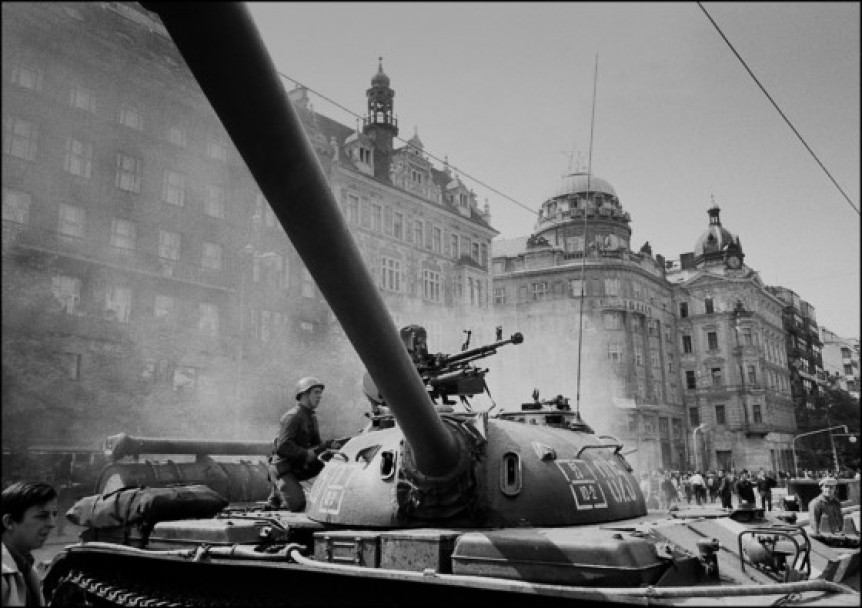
(365, 155)
(462, 199)
(416, 177)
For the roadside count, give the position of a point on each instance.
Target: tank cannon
(440, 507)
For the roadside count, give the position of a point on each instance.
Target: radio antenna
(584, 256)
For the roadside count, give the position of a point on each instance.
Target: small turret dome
(716, 238)
(380, 79)
(580, 183)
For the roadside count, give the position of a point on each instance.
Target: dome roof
(380, 79)
(576, 183)
(716, 238)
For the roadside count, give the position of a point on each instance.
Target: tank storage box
(210, 531)
(418, 549)
(559, 556)
(353, 547)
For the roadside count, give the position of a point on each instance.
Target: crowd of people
(664, 489)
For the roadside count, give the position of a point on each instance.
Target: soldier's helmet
(306, 384)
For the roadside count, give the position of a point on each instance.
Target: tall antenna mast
(584, 256)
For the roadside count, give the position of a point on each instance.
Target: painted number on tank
(332, 487)
(586, 490)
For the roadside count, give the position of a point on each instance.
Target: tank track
(78, 588)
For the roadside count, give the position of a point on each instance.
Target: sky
(505, 89)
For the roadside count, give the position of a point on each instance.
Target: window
(72, 363)
(708, 306)
(16, 206)
(123, 233)
(79, 158)
(177, 136)
(214, 205)
(211, 257)
(82, 98)
(845, 353)
(436, 239)
(217, 150)
(756, 413)
(208, 319)
(715, 372)
(574, 243)
(719, 415)
(67, 291)
(538, 290)
(576, 287)
(118, 301)
(19, 138)
(483, 255)
(752, 374)
(27, 76)
(431, 285)
(376, 217)
(169, 245)
(308, 286)
(418, 231)
(128, 173)
(453, 246)
(474, 251)
(612, 287)
(390, 274)
(365, 155)
(164, 307)
(694, 416)
(398, 226)
(71, 221)
(499, 295)
(612, 320)
(712, 340)
(746, 336)
(683, 309)
(615, 352)
(686, 344)
(174, 188)
(690, 379)
(848, 369)
(131, 117)
(352, 209)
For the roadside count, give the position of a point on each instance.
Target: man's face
(828, 490)
(31, 532)
(311, 398)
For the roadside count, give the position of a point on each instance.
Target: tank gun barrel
(223, 49)
(122, 445)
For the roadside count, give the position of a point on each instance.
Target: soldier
(28, 512)
(826, 504)
(294, 456)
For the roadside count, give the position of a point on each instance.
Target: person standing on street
(826, 504)
(725, 489)
(294, 456)
(745, 489)
(28, 511)
(698, 487)
(765, 483)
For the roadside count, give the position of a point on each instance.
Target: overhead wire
(775, 105)
(439, 160)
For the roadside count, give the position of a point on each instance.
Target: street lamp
(700, 427)
(834, 453)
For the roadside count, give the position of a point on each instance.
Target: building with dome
(683, 360)
(733, 362)
(577, 273)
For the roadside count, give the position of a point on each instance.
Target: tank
(428, 505)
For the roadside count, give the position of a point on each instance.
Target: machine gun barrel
(227, 57)
(481, 351)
